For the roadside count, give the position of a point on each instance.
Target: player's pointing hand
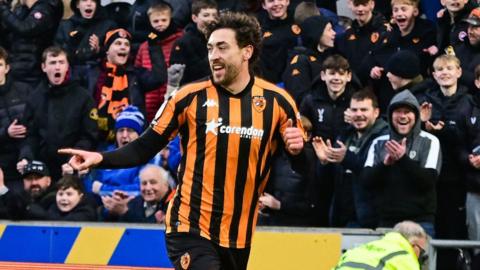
(81, 159)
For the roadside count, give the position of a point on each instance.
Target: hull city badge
(185, 261)
(259, 103)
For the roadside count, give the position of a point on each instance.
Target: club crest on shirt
(412, 154)
(296, 29)
(185, 260)
(320, 114)
(94, 114)
(374, 37)
(152, 35)
(473, 120)
(259, 103)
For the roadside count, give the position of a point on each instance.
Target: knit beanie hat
(132, 118)
(404, 64)
(312, 29)
(112, 35)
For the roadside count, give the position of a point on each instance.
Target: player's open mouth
(57, 75)
(89, 11)
(218, 68)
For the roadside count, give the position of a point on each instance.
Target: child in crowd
(444, 110)
(324, 106)
(329, 98)
(279, 36)
(157, 48)
(317, 36)
(409, 32)
(71, 204)
(364, 34)
(191, 49)
(82, 36)
(403, 72)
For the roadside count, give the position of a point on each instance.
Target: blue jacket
(113, 179)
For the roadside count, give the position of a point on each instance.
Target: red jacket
(154, 98)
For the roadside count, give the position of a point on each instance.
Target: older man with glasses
(405, 248)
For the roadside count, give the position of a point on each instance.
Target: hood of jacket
(312, 31)
(404, 98)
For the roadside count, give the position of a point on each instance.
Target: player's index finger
(67, 151)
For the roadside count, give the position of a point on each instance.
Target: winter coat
(13, 97)
(58, 117)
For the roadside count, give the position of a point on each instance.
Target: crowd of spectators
(389, 100)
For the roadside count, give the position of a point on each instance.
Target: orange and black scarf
(114, 98)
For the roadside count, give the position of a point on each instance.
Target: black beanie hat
(312, 30)
(112, 35)
(404, 64)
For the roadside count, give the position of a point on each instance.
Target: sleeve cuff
(3, 190)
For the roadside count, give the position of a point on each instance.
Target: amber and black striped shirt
(228, 142)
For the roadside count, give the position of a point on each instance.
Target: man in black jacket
(13, 96)
(30, 29)
(468, 51)
(59, 113)
(36, 196)
(353, 204)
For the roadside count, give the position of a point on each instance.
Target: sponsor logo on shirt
(216, 126)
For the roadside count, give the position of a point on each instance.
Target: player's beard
(230, 74)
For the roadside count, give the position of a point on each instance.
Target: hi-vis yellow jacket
(392, 252)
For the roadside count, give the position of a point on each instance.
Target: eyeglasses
(423, 256)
